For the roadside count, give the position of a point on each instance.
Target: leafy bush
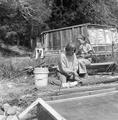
(7, 70)
(16, 66)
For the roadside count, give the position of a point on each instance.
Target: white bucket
(41, 77)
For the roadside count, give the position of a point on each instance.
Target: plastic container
(41, 77)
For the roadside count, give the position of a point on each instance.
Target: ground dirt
(22, 94)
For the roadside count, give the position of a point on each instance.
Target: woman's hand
(71, 75)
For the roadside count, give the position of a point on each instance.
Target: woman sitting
(69, 66)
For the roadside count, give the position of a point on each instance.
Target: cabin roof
(81, 25)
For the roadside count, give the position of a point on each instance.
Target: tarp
(99, 36)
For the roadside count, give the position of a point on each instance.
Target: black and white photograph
(58, 59)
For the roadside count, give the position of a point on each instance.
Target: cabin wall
(100, 38)
(57, 40)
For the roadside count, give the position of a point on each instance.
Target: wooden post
(112, 50)
(73, 35)
(61, 40)
(46, 41)
(105, 41)
(51, 39)
(112, 44)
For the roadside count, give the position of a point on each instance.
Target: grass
(15, 68)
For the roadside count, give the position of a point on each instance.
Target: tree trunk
(32, 43)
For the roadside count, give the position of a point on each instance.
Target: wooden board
(44, 112)
(101, 67)
(96, 107)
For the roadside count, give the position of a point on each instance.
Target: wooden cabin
(101, 37)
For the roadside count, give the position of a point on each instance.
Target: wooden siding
(58, 39)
